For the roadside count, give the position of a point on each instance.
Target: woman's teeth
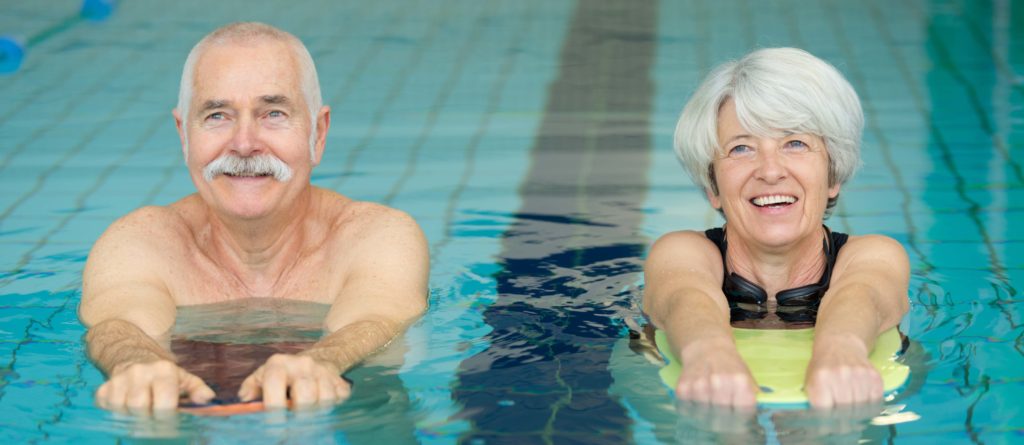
(769, 200)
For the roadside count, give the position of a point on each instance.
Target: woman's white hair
(775, 90)
(247, 33)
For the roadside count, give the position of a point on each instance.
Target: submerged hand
(720, 378)
(154, 385)
(298, 378)
(841, 374)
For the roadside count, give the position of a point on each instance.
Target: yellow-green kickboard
(778, 360)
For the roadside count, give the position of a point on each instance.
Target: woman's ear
(713, 199)
(834, 191)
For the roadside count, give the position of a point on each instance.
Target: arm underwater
(778, 360)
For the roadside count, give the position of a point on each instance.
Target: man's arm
(127, 309)
(385, 292)
(867, 297)
(683, 297)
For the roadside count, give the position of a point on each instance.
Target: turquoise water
(532, 141)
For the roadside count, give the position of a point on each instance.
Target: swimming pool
(532, 141)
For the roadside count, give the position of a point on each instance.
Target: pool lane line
(871, 124)
(121, 107)
(440, 100)
(369, 52)
(946, 155)
(946, 60)
(999, 60)
(494, 98)
(398, 84)
(544, 375)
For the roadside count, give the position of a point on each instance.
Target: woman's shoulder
(695, 238)
(685, 244)
(868, 249)
(873, 242)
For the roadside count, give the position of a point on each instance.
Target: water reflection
(660, 418)
(222, 343)
(700, 423)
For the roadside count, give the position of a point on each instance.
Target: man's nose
(245, 140)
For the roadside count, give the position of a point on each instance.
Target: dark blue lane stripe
(573, 252)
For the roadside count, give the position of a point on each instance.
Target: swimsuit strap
(836, 242)
(717, 236)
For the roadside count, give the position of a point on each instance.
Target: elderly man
(252, 128)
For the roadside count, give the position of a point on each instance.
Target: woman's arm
(683, 296)
(867, 296)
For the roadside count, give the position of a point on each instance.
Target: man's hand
(155, 385)
(717, 378)
(841, 374)
(298, 378)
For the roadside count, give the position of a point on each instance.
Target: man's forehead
(266, 99)
(262, 71)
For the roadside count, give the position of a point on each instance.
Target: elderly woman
(772, 138)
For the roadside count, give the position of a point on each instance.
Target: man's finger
(275, 384)
(165, 394)
(139, 397)
(250, 388)
(343, 388)
(327, 390)
(103, 394)
(118, 393)
(303, 391)
(194, 387)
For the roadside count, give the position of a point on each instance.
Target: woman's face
(773, 191)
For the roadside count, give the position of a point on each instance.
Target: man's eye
(275, 114)
(215, 116)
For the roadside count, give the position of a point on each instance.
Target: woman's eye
(740, 150)
(797, 144)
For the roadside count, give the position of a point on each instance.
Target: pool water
(532, 141)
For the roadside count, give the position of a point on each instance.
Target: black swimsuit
(798, 305)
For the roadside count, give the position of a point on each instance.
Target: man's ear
(323, 124)
(180, 125)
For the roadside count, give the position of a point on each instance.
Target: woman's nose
(771, 166)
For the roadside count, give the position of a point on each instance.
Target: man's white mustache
(258, 165)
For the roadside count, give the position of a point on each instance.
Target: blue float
(12, 52)
(12, 48)
(97, 10)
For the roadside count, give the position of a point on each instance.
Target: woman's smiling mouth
(773, 200)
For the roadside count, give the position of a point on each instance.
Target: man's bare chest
(203, 281)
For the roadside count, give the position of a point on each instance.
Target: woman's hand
(841, 374)
(716, 375)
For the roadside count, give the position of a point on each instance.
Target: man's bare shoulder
(126, 267)
(363, 218)
(150, 227)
